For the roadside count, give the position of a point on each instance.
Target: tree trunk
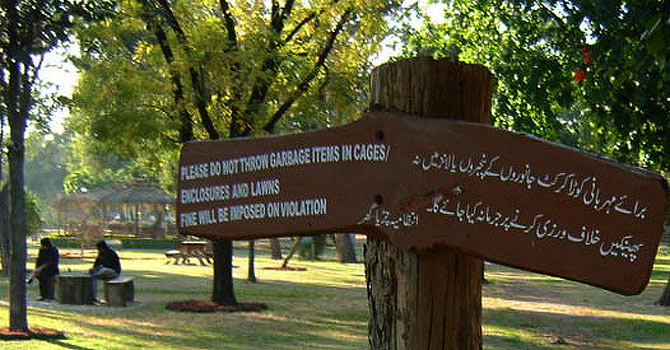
(156, 227)
(431, 299)
(346, 248)
(18, 319)
(251, 275)
(17, 101)
(295, 247)
(4, 231)
(222, 291)
(275, 248)
(4, 205)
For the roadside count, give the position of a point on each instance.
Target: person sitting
(46, 267)
(107, 265)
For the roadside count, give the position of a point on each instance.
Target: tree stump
(76, 290)
(426, 300)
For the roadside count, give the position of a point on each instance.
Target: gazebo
(139, 208)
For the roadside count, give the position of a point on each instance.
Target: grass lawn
(325, 307)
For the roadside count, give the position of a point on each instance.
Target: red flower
(580, 74)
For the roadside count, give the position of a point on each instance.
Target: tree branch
(26, 98)
(229, 23)
(35, 71)
(197, 82)
(186, 121)
(304, 84)
(233, 45)
(269, 69)
(288, 8)
(556, 18)
(275, 19)
(299, 26)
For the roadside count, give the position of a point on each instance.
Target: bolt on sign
(424, 183)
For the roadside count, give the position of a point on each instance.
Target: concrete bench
(119, 291)
(74, 289)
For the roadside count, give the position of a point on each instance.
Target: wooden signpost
(425, 184)
(502, 196)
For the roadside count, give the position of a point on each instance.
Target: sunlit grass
(325, 307)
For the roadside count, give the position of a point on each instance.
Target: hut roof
(128, 192)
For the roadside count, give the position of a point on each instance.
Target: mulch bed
(33, 333)
(284, 268)
(210, 306)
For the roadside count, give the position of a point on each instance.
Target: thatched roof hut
(119, 207)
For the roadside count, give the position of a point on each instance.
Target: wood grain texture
(426, 300)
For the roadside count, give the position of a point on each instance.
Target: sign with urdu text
(424, 183)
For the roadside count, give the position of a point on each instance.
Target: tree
(164, 73)
(587, 73)
(28, 30)
(47, 156)
(346, 247)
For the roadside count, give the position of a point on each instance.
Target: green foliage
(33, 217)
(586, 72)
(33, 214)
(162, 73)
(47, 155)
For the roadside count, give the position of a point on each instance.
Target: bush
(126, 243)
(149, 243)
(66, 242)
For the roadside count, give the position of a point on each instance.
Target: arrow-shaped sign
(424, 183)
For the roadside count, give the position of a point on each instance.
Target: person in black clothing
(46, 267)
(107, 265)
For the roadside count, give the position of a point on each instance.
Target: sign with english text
(424, 183)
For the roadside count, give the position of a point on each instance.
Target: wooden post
(426, 300)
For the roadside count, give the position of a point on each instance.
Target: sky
(62, 75)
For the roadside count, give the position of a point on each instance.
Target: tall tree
(165, 72)
(28, 29)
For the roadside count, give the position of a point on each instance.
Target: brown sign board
(424, 183)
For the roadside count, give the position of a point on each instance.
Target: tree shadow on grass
(527, 329)
(510, 283)
(65, 345)
(313, 316)
(299, 316)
